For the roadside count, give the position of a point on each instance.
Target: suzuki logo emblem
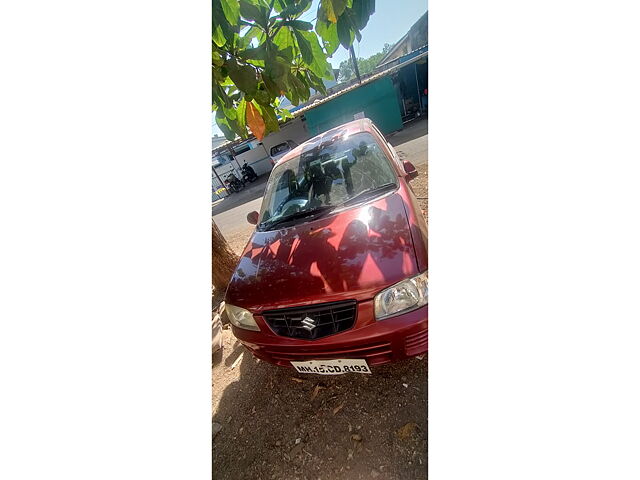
(308, 323)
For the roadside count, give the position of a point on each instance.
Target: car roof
(356, 126)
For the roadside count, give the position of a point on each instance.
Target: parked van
(279, 151)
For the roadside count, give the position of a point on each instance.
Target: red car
(334, 278)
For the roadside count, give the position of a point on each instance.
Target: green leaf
(262, 97)
(294, 10)
(339, 6)
(220, 97)
(283, 39)
(305, 47)
(244, 76)
(272, 87)
(223, 31)
(230, 113)
(277, 68)
(317, 83)
(362, 10)
(299, 24)
(241, 115)
(332, 9)
(228, 126)
(319, 65)
(216, 58)
(284, 113)
(299, 91)
(253, 10)
(255, 32)
(345, 34)
(231, 9)
(279, 5)
(218, 36)
(326, 12)
(329, 33)
(257, 53)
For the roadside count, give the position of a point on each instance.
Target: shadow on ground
(411, 130)
(278, 424)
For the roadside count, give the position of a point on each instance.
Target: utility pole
(233, 155)
(355, 63)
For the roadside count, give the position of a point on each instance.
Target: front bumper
(379, 342)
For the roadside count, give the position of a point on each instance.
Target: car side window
(388, 147)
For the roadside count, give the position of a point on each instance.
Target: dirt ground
(278, 424)
(271, 422)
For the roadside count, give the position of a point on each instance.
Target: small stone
(298, 440)
(241, 430)
(356, 438)
(215, 427)
(406, 430)
(405, 385)
(375, 473)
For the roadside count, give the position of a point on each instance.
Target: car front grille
(313, 321)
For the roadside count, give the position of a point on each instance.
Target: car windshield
(325, 177)
(283, 147)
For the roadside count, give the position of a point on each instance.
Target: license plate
(332, 367)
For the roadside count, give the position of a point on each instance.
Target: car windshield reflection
(325, 177)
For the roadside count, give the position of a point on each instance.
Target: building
(393, 94)
(415, 38)
(389, 97)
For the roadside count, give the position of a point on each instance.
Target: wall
(378, 100)
(257, 159)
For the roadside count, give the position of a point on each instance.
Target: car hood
(352, 254)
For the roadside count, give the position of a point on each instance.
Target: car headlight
(241, 317)
(402, 297)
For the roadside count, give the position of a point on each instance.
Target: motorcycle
(248, 174)
(233, 183)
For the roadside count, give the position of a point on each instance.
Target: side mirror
(410, 170)
(253, 217)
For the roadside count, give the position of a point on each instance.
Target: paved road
(411, 144)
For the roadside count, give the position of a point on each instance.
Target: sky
(387, 25)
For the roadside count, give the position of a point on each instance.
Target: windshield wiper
(368, 191)
(297, 215)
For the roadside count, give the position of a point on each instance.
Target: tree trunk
(224, 260)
